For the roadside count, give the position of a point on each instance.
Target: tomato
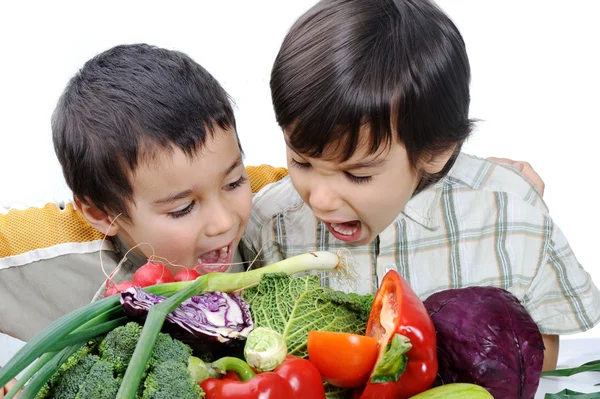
(344, 360)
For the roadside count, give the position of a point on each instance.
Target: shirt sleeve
(562, 298)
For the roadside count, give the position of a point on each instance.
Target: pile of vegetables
(52, 347)
(264, 334)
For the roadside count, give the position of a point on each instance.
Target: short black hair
(398, 67)
(120, 107)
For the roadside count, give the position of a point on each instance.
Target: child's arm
(562, 297)
(551, 342)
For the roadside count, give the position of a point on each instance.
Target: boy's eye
(358, 179)
(300, 165)
(182, 212)
(236, 184)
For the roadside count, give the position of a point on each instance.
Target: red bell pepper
(295, 378)
(407, 362)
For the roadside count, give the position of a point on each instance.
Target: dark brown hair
(398, 67)
(121, 107)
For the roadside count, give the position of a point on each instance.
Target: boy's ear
(434, 163)
(97, 218)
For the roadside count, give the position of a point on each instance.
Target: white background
(535, 85)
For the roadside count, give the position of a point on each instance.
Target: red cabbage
(486, 337)
(212, 324)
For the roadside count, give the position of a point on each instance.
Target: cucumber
(455, 391)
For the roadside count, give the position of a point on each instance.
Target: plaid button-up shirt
(483, 224)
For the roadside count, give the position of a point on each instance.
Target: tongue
(210, 257)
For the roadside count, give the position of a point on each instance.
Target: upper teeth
(222, 256)
(340, 228)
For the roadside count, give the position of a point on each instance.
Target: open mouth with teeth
(347, 231)
(217, 260)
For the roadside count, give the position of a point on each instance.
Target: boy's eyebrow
(172, 198)
(186, 193)
(234, 165)
(372, 163)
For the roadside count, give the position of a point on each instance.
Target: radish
(186, 275)
(113, 288)
(152, 273)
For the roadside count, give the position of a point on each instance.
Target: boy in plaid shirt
(373, 100)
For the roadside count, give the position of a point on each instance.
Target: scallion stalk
(43, 375)
(45, 358)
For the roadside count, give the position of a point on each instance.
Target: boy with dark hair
(147, 142)
(373, 100)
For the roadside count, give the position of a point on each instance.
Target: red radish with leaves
(112, 288)
(151, 274)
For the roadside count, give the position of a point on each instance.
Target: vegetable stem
(85, 335)
(45, 358)
(240, 367)
(42, 342)
(47, 371)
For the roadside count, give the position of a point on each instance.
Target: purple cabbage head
(486, 337)
(214, 324)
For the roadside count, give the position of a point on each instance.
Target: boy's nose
(219, 220)
(323, 197)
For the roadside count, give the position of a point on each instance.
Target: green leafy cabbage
(295, 306)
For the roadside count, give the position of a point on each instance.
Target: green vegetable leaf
(589, 366)
(295, 306)
(568, 394)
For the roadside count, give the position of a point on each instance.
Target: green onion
(81, 336)
(47, 371)
(52, 336)
(42, 342)
(45, 358)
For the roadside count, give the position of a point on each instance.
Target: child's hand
(4, 390)
(526, 170)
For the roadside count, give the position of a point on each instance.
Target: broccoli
(100, 382)
(171, 379)
(167, 348)
(118, 346)
(96, 370)
(66, 381)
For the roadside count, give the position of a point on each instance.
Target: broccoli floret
(100, 382)
(171, 379)
(65, 382)
(96, 370)
(118, 346)
(69, 384)
(169, 349)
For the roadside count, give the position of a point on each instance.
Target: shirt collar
(424, 207)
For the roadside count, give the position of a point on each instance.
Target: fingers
(4, 390)
(533, 177)
(526, 170)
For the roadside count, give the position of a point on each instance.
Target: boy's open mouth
(347, 231)
(217, 260)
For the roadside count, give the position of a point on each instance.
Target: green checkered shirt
(483, 224)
